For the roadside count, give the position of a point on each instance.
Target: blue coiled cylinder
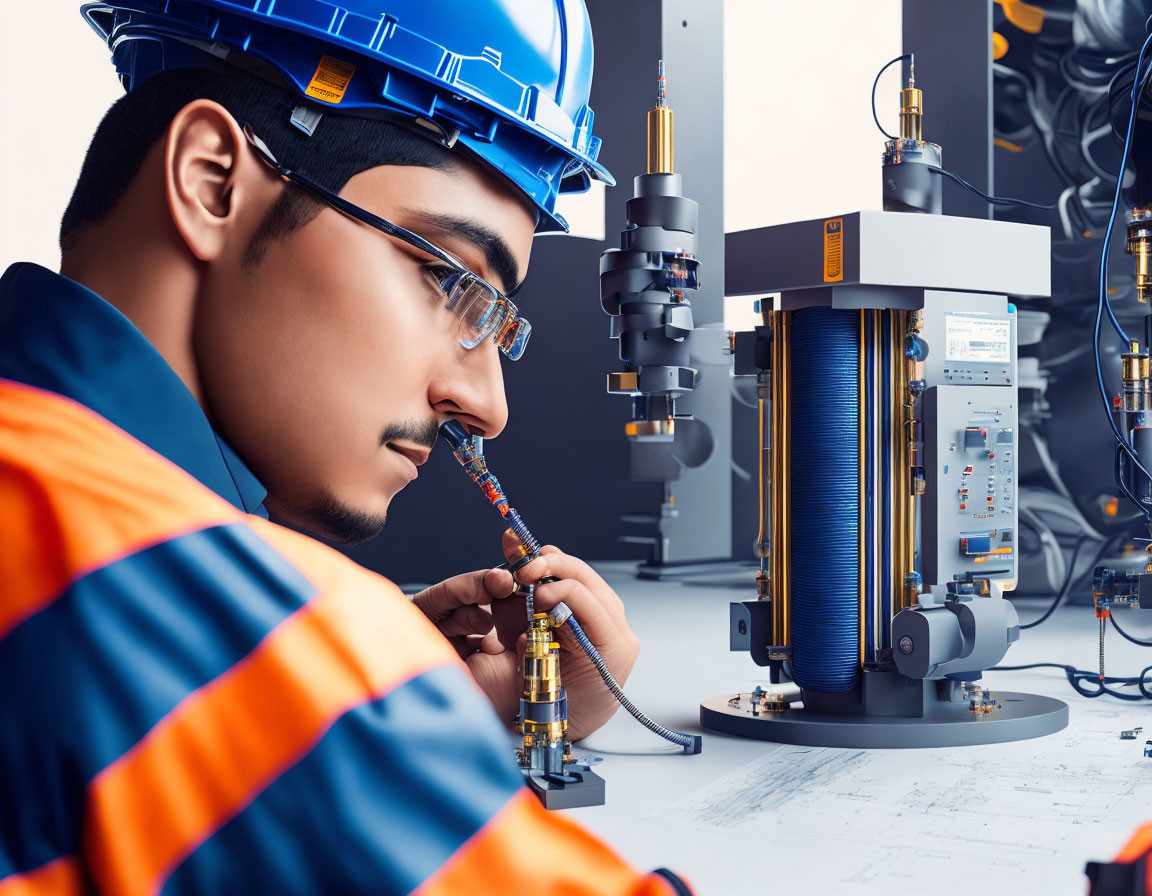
(825, 498)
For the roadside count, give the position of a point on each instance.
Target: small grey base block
(943, 724)
(587, 790)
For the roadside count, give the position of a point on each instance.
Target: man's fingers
(565, 566)
(499, 582)
(462, 646)
(440, 600)
(596, 621)
(466, 621)
(597, 607)
(514, 553)
(554, 562)
(490, 644)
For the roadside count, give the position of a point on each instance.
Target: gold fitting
(1139, 246)
(763, 586)
(911, 113)
(624, 381)
(637, 428)
(1130, 362)
(776, 703)
(660, 151)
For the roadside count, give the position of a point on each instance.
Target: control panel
(970, 483)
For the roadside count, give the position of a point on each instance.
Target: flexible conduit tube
(825, 488)
(690, 743)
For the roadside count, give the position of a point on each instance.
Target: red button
(963, 506)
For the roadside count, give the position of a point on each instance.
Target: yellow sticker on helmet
(331, 80)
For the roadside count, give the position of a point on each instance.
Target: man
(286, 262)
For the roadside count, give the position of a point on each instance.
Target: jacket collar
(60, 336)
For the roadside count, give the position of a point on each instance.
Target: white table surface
(1005, 818)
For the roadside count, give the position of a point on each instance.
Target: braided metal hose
(469, 452)
(563, 616)
(527, 540)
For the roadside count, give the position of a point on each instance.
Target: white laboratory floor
(1006, 818)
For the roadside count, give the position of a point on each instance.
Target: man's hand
(475, 612)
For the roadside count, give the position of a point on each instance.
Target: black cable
(1066, 586)
(1062, 172)
(1076, 677)
(1057, 114)
(1123, 634)
(992, 200)
(1121, 484)
(1029, 666)
(1114, 98)
(1082, 144)
(875, 117)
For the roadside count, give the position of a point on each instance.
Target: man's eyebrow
(496, 251)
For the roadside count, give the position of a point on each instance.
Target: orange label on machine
(833, 250)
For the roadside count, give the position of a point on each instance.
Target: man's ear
(213, 185)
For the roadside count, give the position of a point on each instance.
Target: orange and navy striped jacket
(1130, 873)
(196, 700)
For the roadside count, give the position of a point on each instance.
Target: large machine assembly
(887, 387)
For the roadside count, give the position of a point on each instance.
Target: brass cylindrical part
(861, 449)
(1135, 368)
(893, 437)
(781, 516)
(876, 574)
(1139, 246)
(911, 113)
(660, 150)
(1130, 361)
(540, 670)
(914, 323)
(764, 481)
(905, 536)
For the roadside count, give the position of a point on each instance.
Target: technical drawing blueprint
(1006, 818)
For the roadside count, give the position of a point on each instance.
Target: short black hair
(340, 147)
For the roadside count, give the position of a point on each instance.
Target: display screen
(982, 340)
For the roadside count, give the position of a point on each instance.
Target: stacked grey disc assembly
(643, 287)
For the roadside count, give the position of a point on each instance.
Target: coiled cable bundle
(825, 498)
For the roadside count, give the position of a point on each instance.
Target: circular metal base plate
(1019, 717)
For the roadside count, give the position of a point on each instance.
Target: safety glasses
(483, 311)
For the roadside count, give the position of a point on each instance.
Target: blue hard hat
(508, 80)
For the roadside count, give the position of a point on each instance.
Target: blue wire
(1138, 87)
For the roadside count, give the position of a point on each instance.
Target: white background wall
(59, 82)
(799, 140)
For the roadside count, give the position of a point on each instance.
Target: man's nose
(470, 387)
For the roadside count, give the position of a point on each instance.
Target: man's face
(329, 364)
